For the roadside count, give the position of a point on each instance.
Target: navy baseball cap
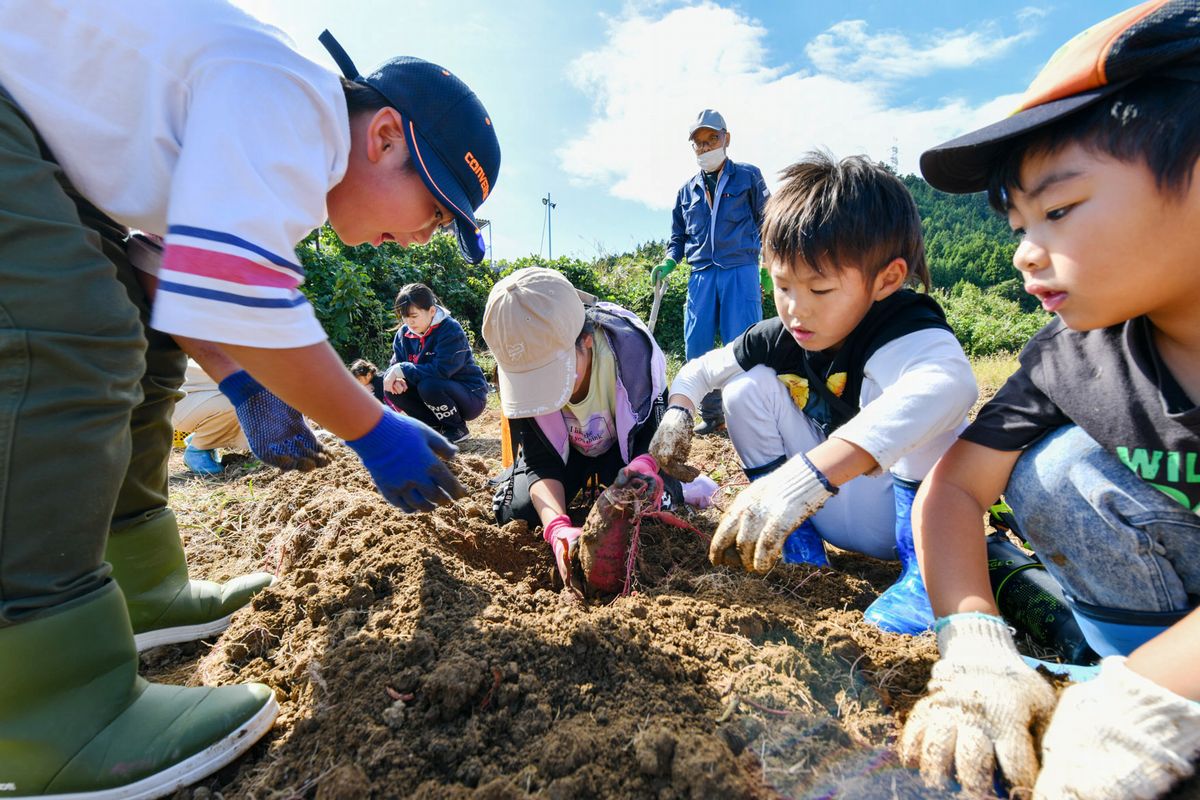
(1160, 38)
(450, 136)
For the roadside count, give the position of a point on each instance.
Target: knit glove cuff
(798, 481)
(239, 387)
(975, 638)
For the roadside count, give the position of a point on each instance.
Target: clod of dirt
(344, 782)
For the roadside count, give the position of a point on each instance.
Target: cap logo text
(516, 351)
(479, 173)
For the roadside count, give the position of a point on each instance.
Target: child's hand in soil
(1117, 736)
(760, 519)
(563, 539)
(981, 706)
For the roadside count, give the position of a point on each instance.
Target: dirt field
(429, 656)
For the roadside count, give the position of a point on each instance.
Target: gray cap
(708, 118)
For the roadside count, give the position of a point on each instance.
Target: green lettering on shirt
(1177, 496)
(1173, 459)
(1143, 462)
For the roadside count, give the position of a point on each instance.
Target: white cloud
(647, 87)
(849, 50)
(1031, 14)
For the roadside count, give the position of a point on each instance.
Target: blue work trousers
(725, 300)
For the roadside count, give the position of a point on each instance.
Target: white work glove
(1120, 736)
(672, 444)
(982, 704)
(393, 380)
(753, 530)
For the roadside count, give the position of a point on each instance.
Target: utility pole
(487, 223)
(549, 223)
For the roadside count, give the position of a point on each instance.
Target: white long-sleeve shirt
(915, 394)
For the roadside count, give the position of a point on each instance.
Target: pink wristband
(644, 464)
(561, 521)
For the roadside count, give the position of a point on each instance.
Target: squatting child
(839, 406)
(433, 376)
(1095, 440)
(367, 374)
(585, 387)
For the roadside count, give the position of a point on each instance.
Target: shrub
(986, 322)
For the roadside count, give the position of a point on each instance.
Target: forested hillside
(969, 250)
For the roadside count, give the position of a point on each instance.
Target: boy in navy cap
(1095, 440)
(196, 123)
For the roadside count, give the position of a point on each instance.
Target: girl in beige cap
(585, 388)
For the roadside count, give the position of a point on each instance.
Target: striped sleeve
(261, 150)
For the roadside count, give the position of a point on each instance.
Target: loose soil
(430, 655)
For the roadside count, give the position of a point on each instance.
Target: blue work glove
(404, 459)
(277, 433)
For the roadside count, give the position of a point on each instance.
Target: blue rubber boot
(203, 462)
(904, 607)
(805, 546)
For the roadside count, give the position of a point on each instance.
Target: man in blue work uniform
(715, 225)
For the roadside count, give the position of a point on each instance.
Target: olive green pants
(86, 389)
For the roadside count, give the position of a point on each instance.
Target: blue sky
(592, 100)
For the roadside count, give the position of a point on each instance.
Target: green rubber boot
(164, 606)
(76, 721)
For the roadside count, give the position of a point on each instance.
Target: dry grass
(990, 373)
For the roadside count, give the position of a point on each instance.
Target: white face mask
(712, 160)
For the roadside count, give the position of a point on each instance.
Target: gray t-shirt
(1111, 383)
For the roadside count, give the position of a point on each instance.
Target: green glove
(662, 270)
(764, 277)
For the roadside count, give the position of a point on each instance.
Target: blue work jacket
(443, 352)
(725, 232)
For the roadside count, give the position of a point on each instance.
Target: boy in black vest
(840, 405)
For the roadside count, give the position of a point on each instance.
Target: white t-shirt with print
(191, 120)
(591, 423)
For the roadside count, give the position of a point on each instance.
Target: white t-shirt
(591, 423)
(191, 120)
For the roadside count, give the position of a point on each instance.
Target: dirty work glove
(564, 543)
(277, 433)
(764, 278)
(393, 380)
(1118, 736)
(672, 443)
(663, 270)
(403, 457)
(981, 704)
(753, 530)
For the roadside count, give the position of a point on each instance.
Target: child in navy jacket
(433, 376)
